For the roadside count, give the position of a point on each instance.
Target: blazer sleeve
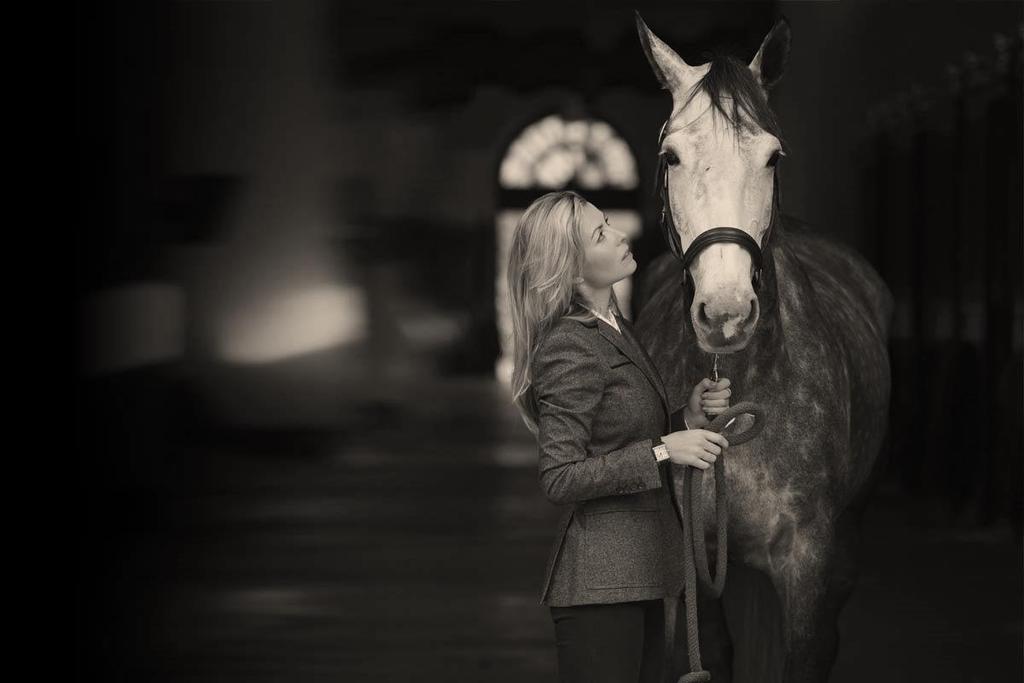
(568, 383)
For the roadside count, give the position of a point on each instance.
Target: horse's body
(815, 357)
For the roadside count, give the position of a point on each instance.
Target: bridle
(726, 234)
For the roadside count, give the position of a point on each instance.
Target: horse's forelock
(728, 77)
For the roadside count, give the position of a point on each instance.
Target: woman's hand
(695, 447)
(707, 398)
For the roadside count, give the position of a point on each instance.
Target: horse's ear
(770, 60)
(673, 73)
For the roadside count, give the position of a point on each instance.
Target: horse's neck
(764, 360)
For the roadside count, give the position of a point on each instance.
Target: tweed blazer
(600, 405)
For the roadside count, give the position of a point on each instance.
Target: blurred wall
(316, 183)
(307, 189)
(848, 57)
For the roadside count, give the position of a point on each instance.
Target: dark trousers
(616, 643)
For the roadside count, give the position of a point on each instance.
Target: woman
(591, 395)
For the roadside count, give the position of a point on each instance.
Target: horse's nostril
(702, 316)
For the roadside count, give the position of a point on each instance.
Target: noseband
(721, 234)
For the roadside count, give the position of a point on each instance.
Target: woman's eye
(600, 236)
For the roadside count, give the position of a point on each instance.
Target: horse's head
(718, 151)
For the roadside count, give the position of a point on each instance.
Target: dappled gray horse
(800, 324)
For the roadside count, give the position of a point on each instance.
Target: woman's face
(607, 258)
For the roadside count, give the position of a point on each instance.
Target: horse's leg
(842, 578)
(802, 559)
(755, 625)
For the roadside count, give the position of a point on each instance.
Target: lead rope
(695, 557)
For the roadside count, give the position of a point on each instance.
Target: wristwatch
(660, 449)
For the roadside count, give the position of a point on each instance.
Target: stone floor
(409, 547)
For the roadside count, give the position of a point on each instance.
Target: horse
(799, 323)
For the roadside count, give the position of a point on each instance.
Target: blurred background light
(295, 323)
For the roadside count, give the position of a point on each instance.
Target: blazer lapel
(636, 353)
(628, 327)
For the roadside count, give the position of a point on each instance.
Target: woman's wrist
(660, 449)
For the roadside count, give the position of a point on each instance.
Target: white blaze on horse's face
(718, 176)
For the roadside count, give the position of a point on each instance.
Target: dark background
(300, 465)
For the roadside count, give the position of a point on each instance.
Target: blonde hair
(545, 258)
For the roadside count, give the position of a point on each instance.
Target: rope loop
(695, 555)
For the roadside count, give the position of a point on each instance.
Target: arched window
(554, 153)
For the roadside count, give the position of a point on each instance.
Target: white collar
(610, 319)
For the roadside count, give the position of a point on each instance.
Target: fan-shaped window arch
(555, 153)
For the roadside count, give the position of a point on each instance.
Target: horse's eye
(773, 161)
(670, 158)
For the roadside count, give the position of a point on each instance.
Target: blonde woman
(591, 395)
